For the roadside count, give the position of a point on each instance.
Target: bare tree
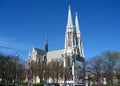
(104, 65)
(40, 71)
(46, 72)
(10, 69)
(110, 64)
(95, 66)
(52, 70)
(56, 69)
(67, 74)
(31, 72)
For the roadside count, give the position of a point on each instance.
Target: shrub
(113, 85)
(38, 84)
(10, 84)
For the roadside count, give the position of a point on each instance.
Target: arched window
(44, 58)
(68, 61)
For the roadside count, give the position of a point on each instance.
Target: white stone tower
(79, 45)
(72, 40)
(69, 40)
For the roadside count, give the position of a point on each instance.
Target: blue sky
(25, 23)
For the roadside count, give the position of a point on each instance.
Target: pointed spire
(46, 44)
(33, 47)
(69, 22)
(77, 24)
(29, 54)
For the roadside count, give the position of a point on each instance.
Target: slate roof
(40, 52)
(56, 54)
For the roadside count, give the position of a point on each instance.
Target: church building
(73, 47)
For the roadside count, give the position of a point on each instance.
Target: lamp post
(16, 81)
(64, 66)
(73, 66)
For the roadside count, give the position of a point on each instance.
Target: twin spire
(77, 24)
(70, 23)
(73, 36)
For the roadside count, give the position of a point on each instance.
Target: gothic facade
(73, 47)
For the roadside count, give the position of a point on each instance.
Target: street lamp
(64, 66)
(73, 66)
(16, 81)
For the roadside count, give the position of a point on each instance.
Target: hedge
(38, 84)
